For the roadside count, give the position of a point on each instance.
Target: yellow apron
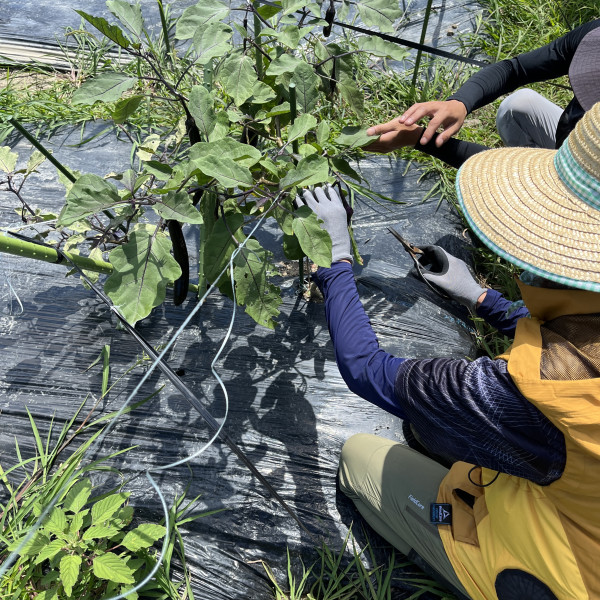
(553, 531)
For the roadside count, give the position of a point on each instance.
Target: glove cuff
(470, 294)
(341, 252)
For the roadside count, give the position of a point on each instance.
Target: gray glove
(451, 275)
(329, 207)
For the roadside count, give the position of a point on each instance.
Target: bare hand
(449, 114)
(393, 135)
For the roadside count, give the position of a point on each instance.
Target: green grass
(343, 575)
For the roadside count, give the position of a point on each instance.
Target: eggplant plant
(252, 92)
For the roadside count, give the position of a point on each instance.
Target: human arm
(368, 371)
(542, 64)
(394, 135)
(487, 85)
(491, 82)
(499, 313)
(465, 410)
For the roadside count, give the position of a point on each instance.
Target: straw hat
(540, 209)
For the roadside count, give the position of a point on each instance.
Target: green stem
(10, 245)
(163, 22)
(259, 58)
(422, 40)
(208, 75)
(208, 205)
(301, 272)
(36, 144)
(17, 247)
(293, 113)
(43, 150)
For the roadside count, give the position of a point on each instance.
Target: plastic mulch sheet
(289, 409)
(45, 20)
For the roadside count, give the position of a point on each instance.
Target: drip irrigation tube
(414, 45)
(400, 41)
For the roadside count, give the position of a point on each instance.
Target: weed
(343, 575)
(70, 543)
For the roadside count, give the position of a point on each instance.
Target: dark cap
(584, 72)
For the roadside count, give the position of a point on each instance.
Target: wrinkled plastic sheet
(289, 409)
(45, 20)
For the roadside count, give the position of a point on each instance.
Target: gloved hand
(451, 275)
(329, 207)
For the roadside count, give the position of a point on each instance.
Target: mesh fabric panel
(571, 348)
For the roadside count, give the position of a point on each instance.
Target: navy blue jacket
(465, 410)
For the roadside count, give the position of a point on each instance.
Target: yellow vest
(553, 531)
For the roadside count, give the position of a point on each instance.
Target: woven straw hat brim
(517, 205)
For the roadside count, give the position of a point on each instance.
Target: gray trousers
(527, 119)
(392, 487)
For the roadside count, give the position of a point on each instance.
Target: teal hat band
(576, 178)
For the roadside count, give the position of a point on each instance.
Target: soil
(290, 268)
(26, 80)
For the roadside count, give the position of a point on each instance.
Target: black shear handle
(433, 259)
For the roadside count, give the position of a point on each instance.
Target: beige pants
(392, 486)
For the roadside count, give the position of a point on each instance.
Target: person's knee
(519, 102)
(354, 462)
(526, 118)
(353, 450)
(513, 108)
(515, 117)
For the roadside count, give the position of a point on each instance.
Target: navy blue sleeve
(496, 310)
(369, 371)
(469, 411)
(548, 62)
(472, 411)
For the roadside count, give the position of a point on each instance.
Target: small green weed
(343, 576)
(84, 547)
(66, 542)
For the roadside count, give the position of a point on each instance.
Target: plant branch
(257, 46)
(17, 193)
(333, 57)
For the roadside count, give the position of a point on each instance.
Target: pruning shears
(423, 262)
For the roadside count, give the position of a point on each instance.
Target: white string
(6, 272)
